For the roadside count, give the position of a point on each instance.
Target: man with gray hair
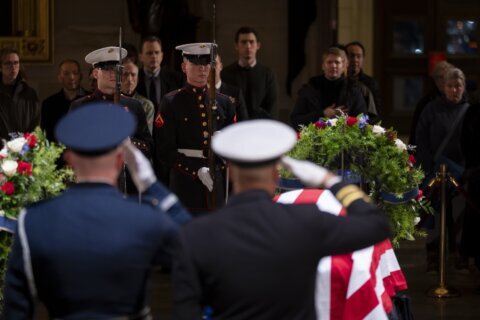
(129, 86)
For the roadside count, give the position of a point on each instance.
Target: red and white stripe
(358, 285)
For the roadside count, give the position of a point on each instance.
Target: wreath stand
(442, 290)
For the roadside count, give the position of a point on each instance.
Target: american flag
(358, 285)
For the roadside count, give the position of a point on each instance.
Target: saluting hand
(309, 173)
(139, 167)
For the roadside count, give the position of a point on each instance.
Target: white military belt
(192, 153)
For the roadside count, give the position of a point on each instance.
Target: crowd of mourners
(177, 140)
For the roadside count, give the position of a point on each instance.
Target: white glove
(204, 176)
(310, 174)
(139, 167)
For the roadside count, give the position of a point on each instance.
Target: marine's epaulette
(88, 97)
(219, 94)
(174, 92)
(224, 97)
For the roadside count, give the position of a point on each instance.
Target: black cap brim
(104, 64)
(199, 59)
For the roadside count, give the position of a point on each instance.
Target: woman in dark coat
(440, 121)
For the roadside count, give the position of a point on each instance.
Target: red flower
(391, 135)
(351, 121)
(31, 139)
(298, 135)
(412, 159)
(320, 124)
(24, 168)
(8, 188)
(419, 194)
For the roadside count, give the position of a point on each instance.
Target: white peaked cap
(196, 48)
(251, 143)
(106, 54)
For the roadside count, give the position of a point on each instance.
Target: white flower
(2, 213)
(16, 145)
(417, 220)
(378, 129)
(9, 167)
(3, 152)
(333, 122)
(400, 145)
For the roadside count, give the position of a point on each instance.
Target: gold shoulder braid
(350, 193)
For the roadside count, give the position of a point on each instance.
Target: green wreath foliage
(377, 156)
(28, 173)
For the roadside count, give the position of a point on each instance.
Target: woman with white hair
(438, 142)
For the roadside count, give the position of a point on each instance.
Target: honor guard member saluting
(104, 62)
(183, 129)
(87, 254)
(255, 258)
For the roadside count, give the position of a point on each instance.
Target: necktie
(153, 91)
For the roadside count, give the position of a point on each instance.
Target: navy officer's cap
(197, 53)
(105, 57)
(254, 143)
(95, 128)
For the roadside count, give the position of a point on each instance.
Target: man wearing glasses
(19, 105)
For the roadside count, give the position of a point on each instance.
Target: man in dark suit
(58, 104)
(256, 80)
(233, 92)
(257, 259)
(154, 80)
(182, 135)
(88, 253)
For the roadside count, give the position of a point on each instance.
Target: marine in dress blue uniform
(255, 258)
(88, 253)
(104, 62)
(181, 136)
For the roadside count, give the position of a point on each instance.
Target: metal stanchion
(442, 290)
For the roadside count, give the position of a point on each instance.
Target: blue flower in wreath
(25, 149)
(363, 121)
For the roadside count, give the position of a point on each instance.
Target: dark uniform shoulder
(44, 202)
(173, 93)
(81, 101)
(224, 97)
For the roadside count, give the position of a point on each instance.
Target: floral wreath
(28, 173)
(373, 156)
